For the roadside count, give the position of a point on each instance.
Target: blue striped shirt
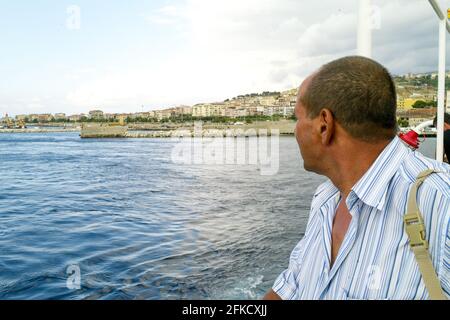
(374, 260)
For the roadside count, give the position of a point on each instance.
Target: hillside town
(416, 102)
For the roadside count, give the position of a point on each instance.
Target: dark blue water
(139, 226)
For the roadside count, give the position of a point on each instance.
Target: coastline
(145, 130)
(168, 130)
(40, 130)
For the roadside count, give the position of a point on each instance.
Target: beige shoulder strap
(415, 229)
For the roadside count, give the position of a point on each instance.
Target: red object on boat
(410, 138)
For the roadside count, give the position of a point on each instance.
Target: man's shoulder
(415, 163)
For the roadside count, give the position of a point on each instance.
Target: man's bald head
(359, 92)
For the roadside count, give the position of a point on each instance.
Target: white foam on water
(247, 289)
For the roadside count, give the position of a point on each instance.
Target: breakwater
(266, 128)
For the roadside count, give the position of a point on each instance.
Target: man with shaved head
(355, 245)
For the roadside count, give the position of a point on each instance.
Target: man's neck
(351, 161)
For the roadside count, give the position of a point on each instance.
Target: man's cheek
(296, 131)
(297, 137)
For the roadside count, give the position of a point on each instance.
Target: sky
(132, 56)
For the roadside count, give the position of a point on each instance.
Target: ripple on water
(139, 226)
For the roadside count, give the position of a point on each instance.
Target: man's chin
(307, 167)
(311, 167)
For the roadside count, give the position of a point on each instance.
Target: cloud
(334, 35)
(408, 37)
(167, 15)
(237, 46)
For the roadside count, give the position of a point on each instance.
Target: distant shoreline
(153, 130)
(40, 130)
(146, 130)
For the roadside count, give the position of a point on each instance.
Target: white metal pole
(364, 29)
(441, 91)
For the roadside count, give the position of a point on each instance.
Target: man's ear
(326, 126)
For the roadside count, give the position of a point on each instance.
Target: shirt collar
(373, 185)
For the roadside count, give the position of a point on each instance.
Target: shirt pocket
(343, 294)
